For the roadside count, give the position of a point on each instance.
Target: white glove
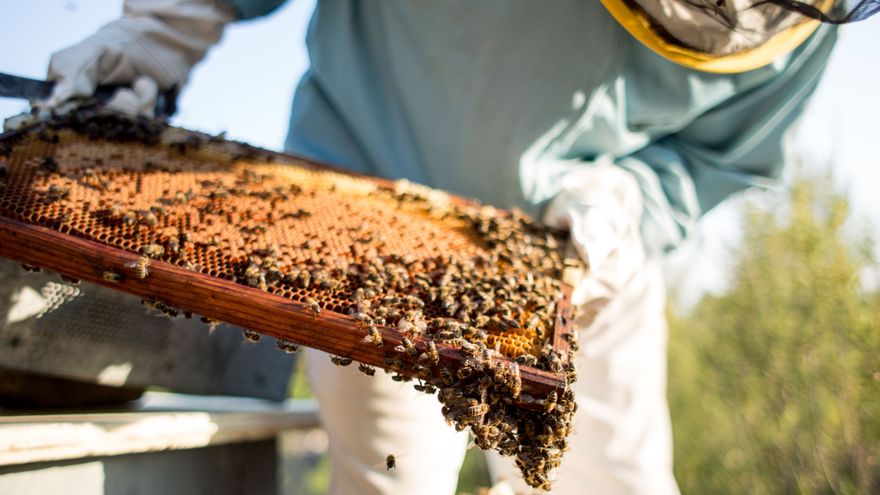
(152, 47)
(601, 206)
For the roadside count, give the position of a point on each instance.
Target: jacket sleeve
(250, 9)
(735, 145)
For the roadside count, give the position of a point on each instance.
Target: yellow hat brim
(639, 26)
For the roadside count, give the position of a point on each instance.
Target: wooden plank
(27, 439)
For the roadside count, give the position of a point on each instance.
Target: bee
(340, 361)
(450, 305)
(486, 354)
(251, 335)
(313, 306)
(149, 218)
(164, 309)
(109, 276)
(393, 363)
(70, 280)
(450, 394)
(389, 300)
(406, 326)
(422, 371)
(286, 346)
(526, 360)
(554, 363)
(445, 336)
(30, 268)
(322, 279)
(153, 250)
(373, 336)
(570, 372)
(431, 355)
(304, 279)
(533, 322)
(469, 349)
(419, 325)
(425, 388)
(423, 285)
(474, 412)
(406, 346)
(390, 462)
(269, 262)
(115, 211)
(366, 369)
(130, 218)
(363, 319)
(141, 266)
(550, 401)
(254, 276)
(464, 372)
(511, 322)
(173, 245)
(487, 305)
(514, 381)
(159, 211)
(56, 192)
(446, 376)
(212, 324)
(411, 300)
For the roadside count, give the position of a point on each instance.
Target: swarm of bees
(488, 303)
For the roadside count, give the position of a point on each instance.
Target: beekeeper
(624, 120)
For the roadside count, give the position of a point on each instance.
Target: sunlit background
(244, 87)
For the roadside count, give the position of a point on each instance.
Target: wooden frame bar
(243, 306)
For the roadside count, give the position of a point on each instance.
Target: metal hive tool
(362, 268)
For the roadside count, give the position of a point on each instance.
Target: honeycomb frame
(68, 168)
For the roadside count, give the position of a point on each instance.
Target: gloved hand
(152, 47)
(601, 206)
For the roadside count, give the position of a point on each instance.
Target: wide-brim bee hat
(731, 36)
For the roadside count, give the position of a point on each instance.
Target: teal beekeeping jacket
(500, 99)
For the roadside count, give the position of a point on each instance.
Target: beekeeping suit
(624, 121)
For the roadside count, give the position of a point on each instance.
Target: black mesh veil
(829, 11)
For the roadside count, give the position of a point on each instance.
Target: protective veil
(729, 36)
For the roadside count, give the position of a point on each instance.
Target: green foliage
(474, 474)
(774, 386)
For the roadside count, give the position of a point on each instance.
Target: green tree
(775, 385)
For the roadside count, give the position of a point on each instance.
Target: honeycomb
(471, 296)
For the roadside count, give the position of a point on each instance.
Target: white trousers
(622, 443)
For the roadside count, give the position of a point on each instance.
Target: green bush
(774, 386)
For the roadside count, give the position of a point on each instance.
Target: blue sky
(245, 85)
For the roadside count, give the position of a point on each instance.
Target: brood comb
(393, 275)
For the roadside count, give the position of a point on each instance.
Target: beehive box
(464, 298)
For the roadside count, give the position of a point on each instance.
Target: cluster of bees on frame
(499, 303)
